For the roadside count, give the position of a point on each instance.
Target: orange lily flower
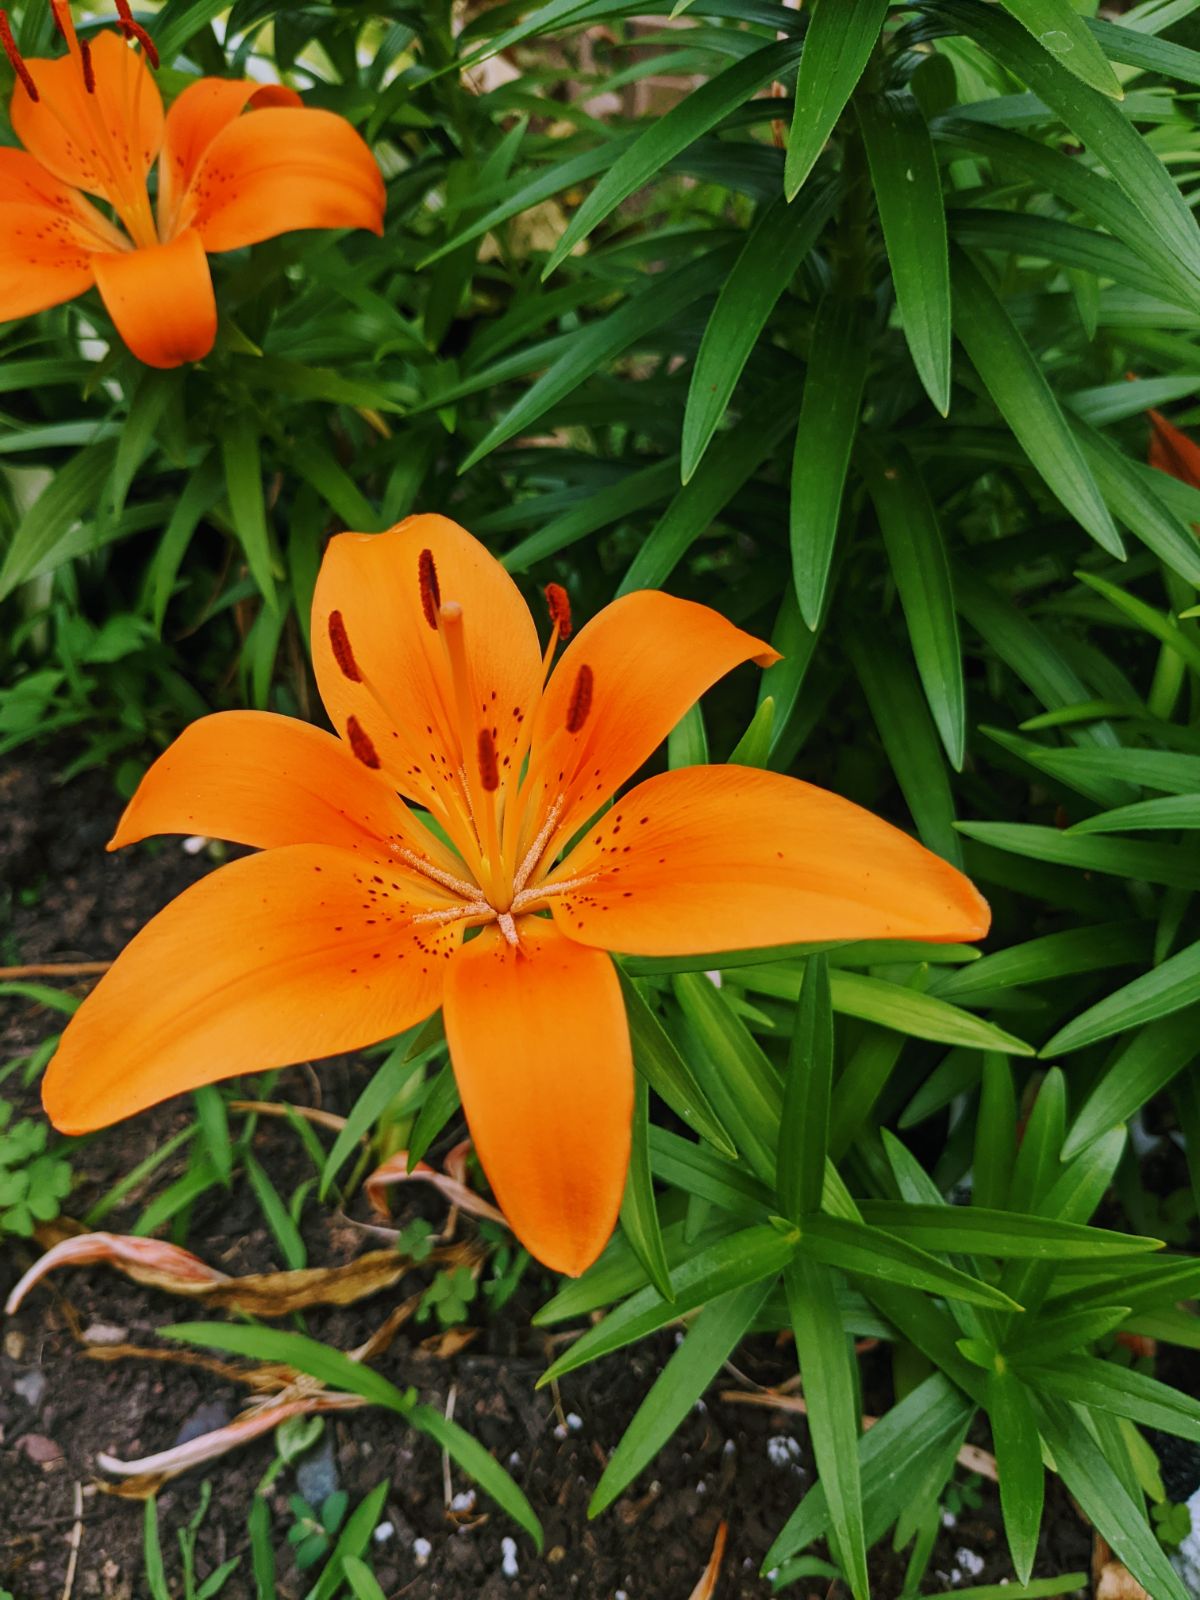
(349, 926)
(92, 123)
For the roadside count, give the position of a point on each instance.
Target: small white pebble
(463, 1501)
(783, 1450)
(949, 1520)
(514, 1460)
(193, 844)
(574, 1421)
(729, 1448)
(772, 1575)
(422, 1550)
(560, 1430)
(619, 1594)
(700, 1407)
(702, 1487)
(969, 1562)
(508, 1558)
(383, 1533)
(714, 978)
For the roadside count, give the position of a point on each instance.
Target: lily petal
(257, 778)
(104, 142)
(1172, 451)
(194, 119)
(402, 696)
(540, 1047)
(46, 258)
(281, 169)
(287, 956)
(651, 657)
(728, 858)
(161, 299)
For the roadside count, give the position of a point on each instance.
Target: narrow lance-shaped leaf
(804, 1124)
(830, 1379)
(833, 386)
(779, 241)
(908, 193)
(912, 537)
(837, 46)
(639, 1214)
(1059, 29)
(1019, 1463)
(1014, 379)
(666, 137)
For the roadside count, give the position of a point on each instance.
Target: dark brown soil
(68, 900)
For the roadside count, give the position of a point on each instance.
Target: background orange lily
(349, 925)
(92, 123)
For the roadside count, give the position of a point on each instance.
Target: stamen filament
(447, 879)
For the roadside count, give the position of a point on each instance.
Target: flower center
(484, 808)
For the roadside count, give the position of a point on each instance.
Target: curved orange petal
(281, 169)
(729, 858)
(45, 258)
(540, 1047)
(104, 142)
(161, 300)
(1172, 451)
(261, 779)
(194, 119)
(403, 696)
(281, 957)
(651, 657)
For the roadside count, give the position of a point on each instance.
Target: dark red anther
(14, 56)
(360, 743)
(559, 603)
(431, 593)
(89, 72)
(581, 700)
(339, 643)
(134, 30)
(489, 767)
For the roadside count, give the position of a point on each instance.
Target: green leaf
(352, 1541)
(1172, 811)
(733, 1071)
(389, 1079)
(905, 727)
(1157, 993)
(1156, 863)
(779, 241)
(908, 193)
(286, 1233)
(667, 136)
(804, 1122)
(1042, 960)
(1151, 621)
(1103, 1499)
(1048, 1337)
(1059, 29)
(866, 1251)
(981, 1231)
(73, 491)
(152, 1557)
(830, 1378)
(1089, 1381)
(995, 1134)
(666, 294)
(335, 1370)
(639, 1213)
(1148, 1063)
(1094, 119)
(837, 46)
(482, 1467)
(897, 1450)
(665, 1070)
(729, 464)
(833, 386)
(1019, 1460)
(708, 1344)
(916, 554)
(361, 1579)
(748, 1256)
(244, 486)
(214, 1129)
(1013, 377)
(440, 1104)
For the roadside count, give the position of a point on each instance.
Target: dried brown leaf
(395, 1170)
(707, 1586)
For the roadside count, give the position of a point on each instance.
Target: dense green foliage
(849, 362)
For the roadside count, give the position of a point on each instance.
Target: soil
(742, 1464)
